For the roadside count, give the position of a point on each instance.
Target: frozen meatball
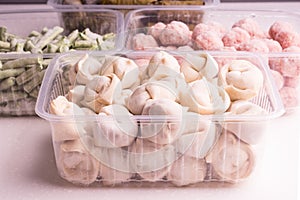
(279, 26)
(235, 37)
(290, 64)
(288, 38)
(210, 26)
(279, 81)
(251, 26)
(156, 30)
(289, 97)
(273, 45)
(175, 34)
(291, 81)
(208, 41)
(254, 45)
(142, 42)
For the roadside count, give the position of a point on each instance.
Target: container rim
(54, 67)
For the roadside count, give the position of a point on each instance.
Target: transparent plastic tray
(19, 25)
(89, 148)
(140, 21)
(127, 5)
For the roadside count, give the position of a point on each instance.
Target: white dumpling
(151, 160)
(249, 132)
(204, 97)
(231, 159)
(241, 79)
(116, 127)
(76, 164)
(66, 130)
(187, 170)
(101, 91)
(125, 69)
(163, 131)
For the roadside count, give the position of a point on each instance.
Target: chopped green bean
(29, 45)
(12, 96)
(35, 92)
(73, 36)
(51, 48)
(7, 83)
(10, 72)
(34, 82)
(4, 45)
(20, 46)
(28, 75)
(21, 62)
(34, 34)
(47, 38)
(2, 33)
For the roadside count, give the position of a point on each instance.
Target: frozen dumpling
(101, 91)
(66, 130)
(187, 170)
(116, 128)
(125, 69)
(231, 159)
(76, 164)
(204, 97)
(169, 127)
(241, 79)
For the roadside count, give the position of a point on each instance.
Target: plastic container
(141, 37)
(179, 149)
(127, 5)
(17, 100)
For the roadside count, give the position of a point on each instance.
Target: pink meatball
(251, 26)
(278, 27)
(279, 81)
(208, 41)
(289, 97)
(175, 34)
(254, 45)
(141, 42)
(290, 64)
(235, 37)
(288, 38)
(291, 81)
(274, 46)
(156, 30)
(200, 28)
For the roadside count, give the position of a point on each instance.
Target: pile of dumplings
(148, 120)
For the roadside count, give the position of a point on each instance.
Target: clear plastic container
(127, 5)
(18, 87)
(117, 147)
(141, 35)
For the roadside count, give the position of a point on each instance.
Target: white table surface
(28, 171)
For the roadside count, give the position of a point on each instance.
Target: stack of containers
(31, 38)
(136, 115)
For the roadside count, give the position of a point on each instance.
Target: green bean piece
(47, 38)
(7, 83)
(13, 44)
(35, 92)
(44, 30)
(20, 46)
(84, 36)
(46, 62)
(109, 36)
(4, 45)
(73, 36)
(34, 82)
(28, 75)
(34, 34)
(51, 48)
(10, 72)
(21, 62)
(0, 64)
(83, 44)
(16, 88)
(3, 33)
(29, 45)
(91, 35)
(12, 96)
(63, 48)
